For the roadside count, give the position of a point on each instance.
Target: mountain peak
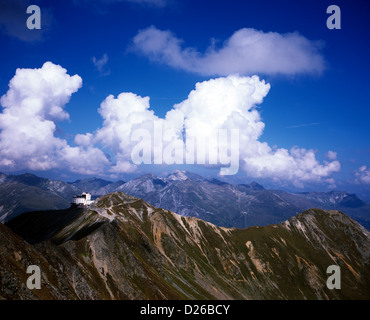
(181, 175)
(29, 179)
(178, 175)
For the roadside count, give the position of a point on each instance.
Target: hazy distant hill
(96, 186)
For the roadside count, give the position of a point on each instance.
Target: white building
(83, 199)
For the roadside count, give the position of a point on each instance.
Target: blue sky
(320, 104)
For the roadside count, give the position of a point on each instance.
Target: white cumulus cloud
(34, 102)
(331, 155)
(230, 102)
(121, 116)
(363, 174)
(247, 51)
(222, 103)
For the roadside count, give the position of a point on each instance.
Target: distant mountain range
(185, 193)
(125, 248)
(240, 206)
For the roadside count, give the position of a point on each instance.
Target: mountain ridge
(125, 248)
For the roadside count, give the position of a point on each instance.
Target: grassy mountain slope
(124, 248)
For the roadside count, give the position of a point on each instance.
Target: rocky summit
(121, 247)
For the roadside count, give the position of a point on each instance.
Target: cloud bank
(246, 52)
(363, 175)
(35, 102)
